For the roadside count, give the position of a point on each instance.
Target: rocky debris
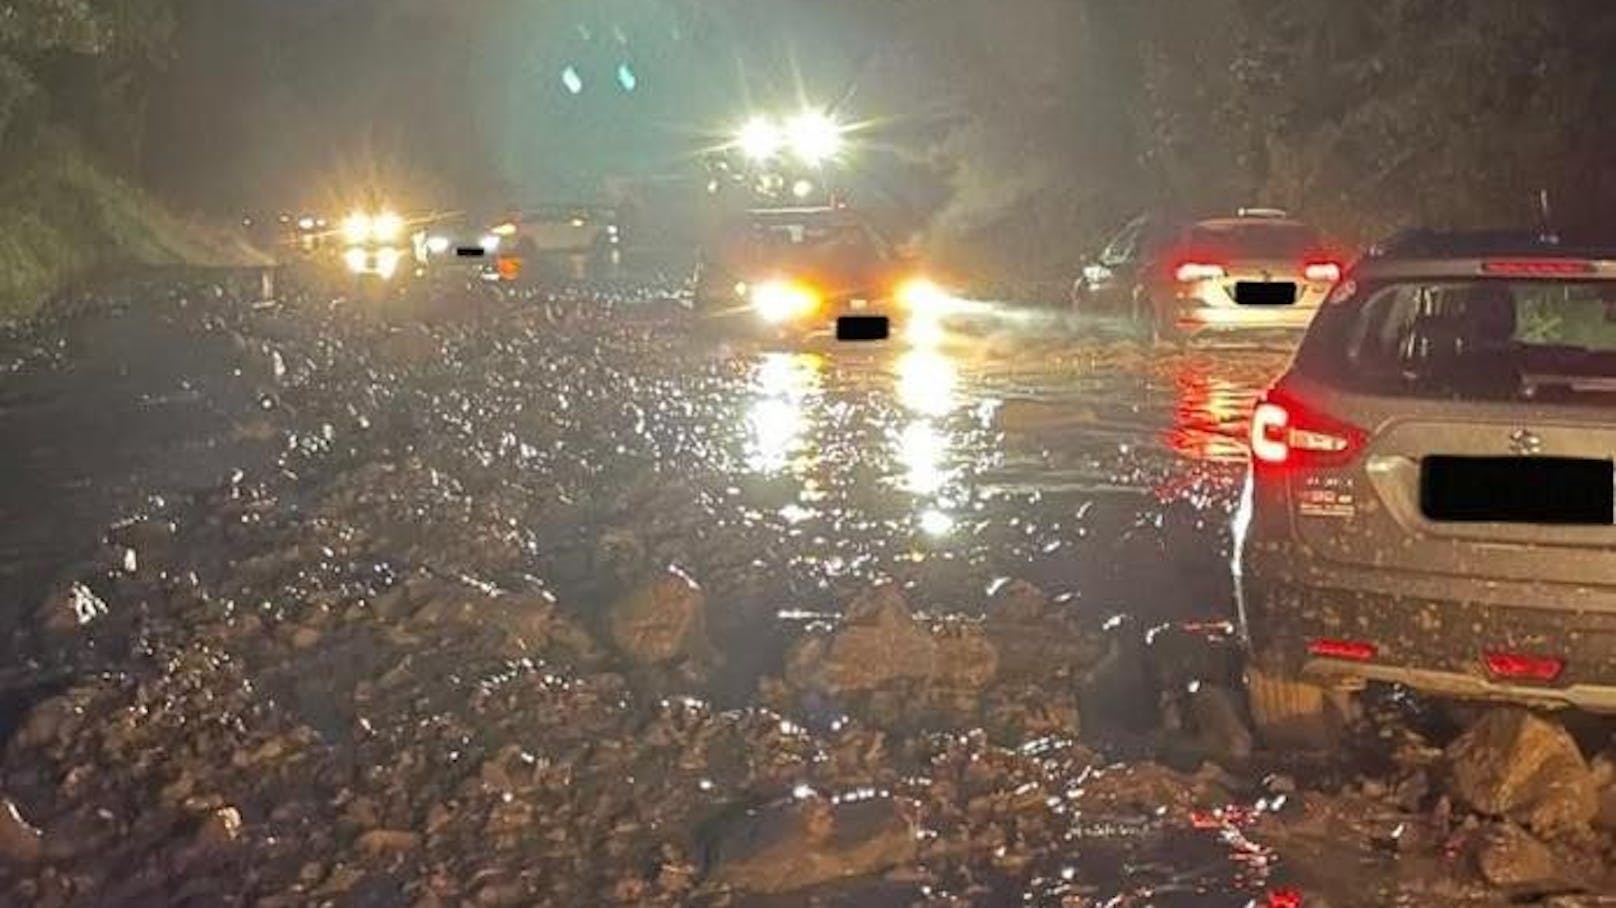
(1512, 763)
(662, 622)
(1511, 858)
(1016, 713)
(70, 608)
(810, 842)
(21, 844)
(881, 644)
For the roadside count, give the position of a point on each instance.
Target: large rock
(21, 844)
(1220, 727)
(1036, 640)
(811, 842)
(881, 644)
(71, 607)
(1514, 764)
(1511, 858)
(663, 621)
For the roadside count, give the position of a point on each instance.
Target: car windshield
(812, 245)
(1482, 338)
(1244, 239)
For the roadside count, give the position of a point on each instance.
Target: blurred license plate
(1254, 293)
(1562, 491)
(862, 328)
(860, 304)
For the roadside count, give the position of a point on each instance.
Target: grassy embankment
(65, 219)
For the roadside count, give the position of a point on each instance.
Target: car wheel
(1290, 713)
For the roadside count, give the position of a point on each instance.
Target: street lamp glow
(814, 137)
(760, 140)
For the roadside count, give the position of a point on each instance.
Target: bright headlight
(356, 228)
(355, 259)
(922, 293)
(815, 138)
(782, 301)
(437, 245)
(490, 243)
(760, 140)
(386, 227)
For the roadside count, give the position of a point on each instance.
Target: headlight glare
(782, 301)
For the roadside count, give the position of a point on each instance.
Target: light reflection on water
(927, 384)
(778, 420)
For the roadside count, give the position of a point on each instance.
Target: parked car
(1259, 269)
(1430, 497)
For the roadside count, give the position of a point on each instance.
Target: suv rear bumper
(1429, 632)
(1194, 319)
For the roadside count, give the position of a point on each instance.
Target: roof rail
(1427, 243)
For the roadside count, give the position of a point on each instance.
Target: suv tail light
(1538, 267)
(1190, 272)
(1523, 667)
(1284, 432)
(1322, 272)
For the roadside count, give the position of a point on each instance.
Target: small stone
(220, 827)
(71, 608)
(378, 842)
(20, 842)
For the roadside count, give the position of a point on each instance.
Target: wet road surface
(527, 601)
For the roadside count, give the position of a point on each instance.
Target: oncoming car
(1258, 270)
(798, 270)
(1430, 497)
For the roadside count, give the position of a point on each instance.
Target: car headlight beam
(777, 302)
(922, 294)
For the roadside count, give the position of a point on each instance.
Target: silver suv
(1431, 499)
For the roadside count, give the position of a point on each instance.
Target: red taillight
(1537, 267)
(1322, 272)
(1522, 667)
(1190, 272)
(1351, 650)
(1284, 433)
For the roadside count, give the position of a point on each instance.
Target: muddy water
(552, 449)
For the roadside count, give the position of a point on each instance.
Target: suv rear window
(1253, 239)
(1484, 339)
